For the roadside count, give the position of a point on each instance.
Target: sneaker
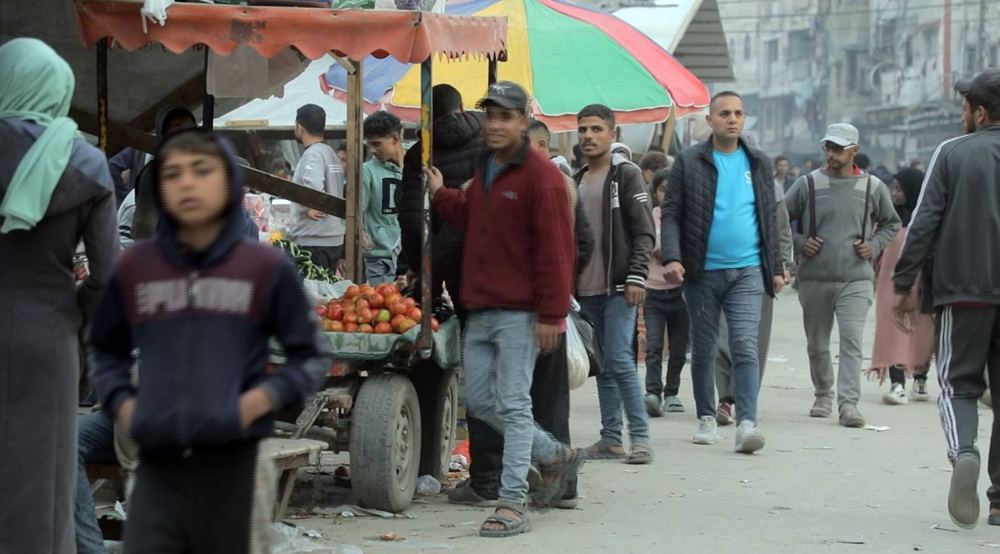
(724, 414)
(707, 431)
(822, 407)
(850, 416)
(919, 390)
(653, 405)
(896, 395)
(748, 438)
(963, 501)
(672, 404)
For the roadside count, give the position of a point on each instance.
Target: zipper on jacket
(609, 285)
(186, 370)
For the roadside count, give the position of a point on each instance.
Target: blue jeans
(96, 444)
(737, 292)
(618, 386)
(379, 271)
(499, 359)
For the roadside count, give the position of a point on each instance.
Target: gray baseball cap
(843, 134)
(506, 95)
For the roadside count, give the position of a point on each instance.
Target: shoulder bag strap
(812, 205)
(864, 219)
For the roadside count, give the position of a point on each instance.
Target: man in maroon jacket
(518, 274)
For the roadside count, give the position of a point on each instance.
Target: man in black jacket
(956, 222)
(458, 144)
(720, 238)
(615, 199)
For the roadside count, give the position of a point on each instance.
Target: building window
(971, 60)
(801, 45)
(772, 51)
(853, 77)
(747, 50)
(994, 56)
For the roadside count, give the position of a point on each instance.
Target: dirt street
(816, 487)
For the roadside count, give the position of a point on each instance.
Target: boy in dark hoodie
(200, 303)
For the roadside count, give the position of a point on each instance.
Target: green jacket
(380, 184)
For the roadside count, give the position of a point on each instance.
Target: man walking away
(380, 178)
(616, 201)
(846, 218)
(720, 239)
(320, 234)
(957, 222)
(518, 269)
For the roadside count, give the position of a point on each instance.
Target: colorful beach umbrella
(565, 55)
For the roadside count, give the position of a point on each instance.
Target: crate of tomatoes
(370, 310)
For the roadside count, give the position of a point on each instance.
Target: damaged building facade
(886, 66)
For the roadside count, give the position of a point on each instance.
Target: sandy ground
(816, 487)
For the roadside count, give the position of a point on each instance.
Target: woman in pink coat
(897, 354)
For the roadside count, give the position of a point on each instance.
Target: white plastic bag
(155, 11)
(578, 364)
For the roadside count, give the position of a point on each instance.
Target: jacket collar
(519, 157)
(616, 162)
(707, 147)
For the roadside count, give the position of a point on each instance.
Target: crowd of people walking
(702, 242)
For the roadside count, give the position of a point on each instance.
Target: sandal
(640, 454)
(512, 525)
(556, 477)
(601, 450)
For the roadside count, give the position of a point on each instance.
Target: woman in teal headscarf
(55, 191)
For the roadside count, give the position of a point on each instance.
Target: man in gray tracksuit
(957, 222)
(846, 218)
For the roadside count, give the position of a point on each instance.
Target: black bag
(586, 330)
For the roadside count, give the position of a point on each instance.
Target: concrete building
(887, 66)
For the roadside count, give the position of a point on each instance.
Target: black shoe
(467, 496)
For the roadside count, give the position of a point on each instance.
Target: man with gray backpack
(845, 219)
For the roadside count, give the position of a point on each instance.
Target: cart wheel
(385, 443)
(439, 404)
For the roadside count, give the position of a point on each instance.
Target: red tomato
(353, 292)
(383, 328)
(365, 328)
(435, 325)
(409, 303)
(397, 308)
(415, 314)
(376, 301)
(406, 325)
(361, 304)
(351, 327)
(365, 315)
(336, 327)
(321, 311)
(335, 312)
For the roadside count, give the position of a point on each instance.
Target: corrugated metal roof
(689, 29)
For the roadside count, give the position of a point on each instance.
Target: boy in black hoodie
(200, 302)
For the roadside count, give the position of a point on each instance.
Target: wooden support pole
(352, 192)
(425, 342)
(668, 130)
(259, 180)
(102, 95)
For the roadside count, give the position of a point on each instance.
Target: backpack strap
(812, 205)
(864, 219)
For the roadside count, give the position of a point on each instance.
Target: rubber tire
(383, 474)
(439, 406)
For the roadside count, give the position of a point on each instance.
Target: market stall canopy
(691, 30)
(312, 31)
(565, 55)
(279, 113)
